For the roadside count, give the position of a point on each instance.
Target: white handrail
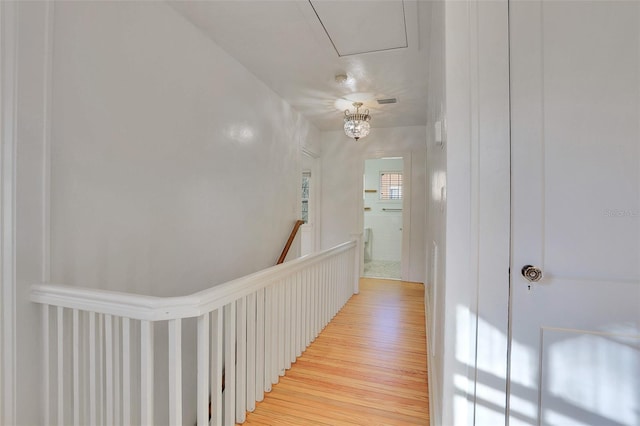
(152, 308)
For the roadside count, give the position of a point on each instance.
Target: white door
(575, 99)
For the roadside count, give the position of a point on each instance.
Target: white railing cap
(152, 308)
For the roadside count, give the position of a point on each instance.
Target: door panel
(583, 382)
(575, 99)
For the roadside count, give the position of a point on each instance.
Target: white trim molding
(8, 116)
(46, 141)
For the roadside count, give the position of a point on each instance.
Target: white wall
(386, 226)
(342, 170)
(173, 168)
(170, 167)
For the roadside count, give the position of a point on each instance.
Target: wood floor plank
(367, 367)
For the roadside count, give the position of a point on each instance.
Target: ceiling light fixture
(357, 125)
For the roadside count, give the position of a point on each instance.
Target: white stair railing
(115, 358)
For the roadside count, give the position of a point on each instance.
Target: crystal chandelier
(357, 125)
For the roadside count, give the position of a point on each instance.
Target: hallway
(368, 366)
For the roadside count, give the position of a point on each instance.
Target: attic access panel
(356, 27)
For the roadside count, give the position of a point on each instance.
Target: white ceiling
(295, 47)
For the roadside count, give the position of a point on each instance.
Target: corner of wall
(8, 41)
(476, 57)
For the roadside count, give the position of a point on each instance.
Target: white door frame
(406, 207)
(315, 192)
(477, 252)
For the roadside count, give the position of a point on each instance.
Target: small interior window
(306, 177)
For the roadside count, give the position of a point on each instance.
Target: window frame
(392, 185)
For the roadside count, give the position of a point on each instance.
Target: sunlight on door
(580, 381)
(584, 382)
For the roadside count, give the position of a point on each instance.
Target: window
(390, 186)
(306, 177)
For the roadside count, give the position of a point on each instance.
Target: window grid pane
(390, 186)
(305, 196)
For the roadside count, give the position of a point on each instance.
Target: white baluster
(108, 338)
(323, 296)
(305, 309)
(355, 272)
(100, 371)
(299, 322)
(175, 371)
(334, 288)
(293, 319)
(331, 292)
(341, 283)
(330, 283)
(251, 353)
(203, 370)
(347, 279)
(60, 347)
(288, 289)
(338, 284)
(126, 372)
(76, 366)
(93, 372)
(117, 389)
(146, 373)
(308, 308)
(46, 371)
(261, 355)
(229, 364)
(314, 302)
(320, 299)
(329, 296)
(269, 326)
(241, 359)
(282, 346)
(216, 366)
(275, 333)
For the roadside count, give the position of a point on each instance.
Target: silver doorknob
(531, 273)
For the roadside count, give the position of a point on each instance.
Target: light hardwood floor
(367, 367)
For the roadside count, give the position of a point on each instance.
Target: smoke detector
(341, 78)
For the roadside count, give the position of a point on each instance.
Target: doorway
(383, 195)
